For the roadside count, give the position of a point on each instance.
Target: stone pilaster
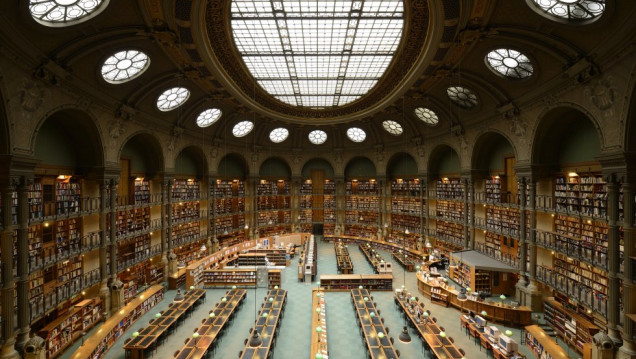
(613, 261)
(24, 319)
(8, 300)
(104, 291)
(628, 349)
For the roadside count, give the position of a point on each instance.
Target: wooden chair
(240, 353)
(485, 343)
(441, 328)
(175, 354)
(450, 339)
(397, 352)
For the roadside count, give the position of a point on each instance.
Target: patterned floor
(345, 341)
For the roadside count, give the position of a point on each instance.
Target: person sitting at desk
(471, 314)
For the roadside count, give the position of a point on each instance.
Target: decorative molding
(32, 95)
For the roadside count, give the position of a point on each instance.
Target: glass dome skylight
(208, 117)
(124, 66)
(172, 98)
(576, 10)
(510, 63)
(278, 135)
(317, 54)
(462, 96)
(427, 115)
(317, 137)
(242, 128)
(64, 12)
(392, 127)
(356, 134)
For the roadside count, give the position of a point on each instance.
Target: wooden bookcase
(362, 206)
(570, 326)
(584, 195)
(439, 297)
(68, 326)
(186, 190)
(274, 278)
(346, 282)
(229, 277)
(542, 345)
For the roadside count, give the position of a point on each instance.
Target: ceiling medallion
(237, 74)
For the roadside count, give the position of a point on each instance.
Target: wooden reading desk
(318, 319)
(379, 345)
(267, 326)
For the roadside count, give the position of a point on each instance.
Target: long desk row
(440, 345)
(319, 320)
(266, 325)
(513, 316)
(376, 337)
(343, 261)
(148, 338)
(376, 261)
(487, 341)
(212, 327)
(402, 257)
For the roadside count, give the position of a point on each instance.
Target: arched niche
(143, 155)
(401, 165)
(317, 164)
(69, 139)
(233, 166)
(443, 162)
(275, 167)
(191, 162)
(565, 136)
(360, 167)
(491, 153)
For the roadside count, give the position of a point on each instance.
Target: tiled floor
(345, 341)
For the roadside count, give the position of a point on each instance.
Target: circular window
(575, 10)
(428, 116)
(392, 127)
(242, 128)
(510, 63)
(124, 66)
(208, 117)
(317, 137)
(65, 12)
(278, 135)
(462, 96)
(172, 98)
(356, 134)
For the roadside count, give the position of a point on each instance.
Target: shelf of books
(449, 210)
(229, 277)
(68, 326)
(542, 345)
(346, 282)
(186, 233)
(501, 248)
(135, 278)
(574, 329)
(503, 220)
(274, 278)
(186, 190)
(190, 252)
(449, 188)
(67, 196)
(449, 232)
(362, 205)
(141, 191)
(131, 221)
(583, 195)
(585, 239)
(96, 345)
(466, 276)
(186, 211)
(586, 284)
(439, 297)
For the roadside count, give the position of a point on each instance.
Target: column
(523, 249)
(209, 219)
(294, 192)
(251, 224)
(466, 182)
(423, 215)
(8, 349)
(104, 291)
(24, 319)
(628, 350)
(382, 216)
(340, 205)
(117, 295)
(168, 215)
(613, 260)
(532, 267)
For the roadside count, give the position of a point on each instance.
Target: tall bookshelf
(273, 207)
(449, 231)
(307, 205)
(585, 195)
(329, 205)
(141, 191)
(229, 210)
(407, 204)
(186, 190)
(503, 220)
(362, 208)
(582, 238)
(573, 328)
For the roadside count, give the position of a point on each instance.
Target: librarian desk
(441, 346)
(148, 337)
(513, 316)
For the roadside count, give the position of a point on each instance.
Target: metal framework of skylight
(317, 54)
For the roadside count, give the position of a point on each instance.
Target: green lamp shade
(318, 283)
(417, 267)
(442, 334)
(468, 289)
(366, 299)
(233, 287)
(191, 287)
(157, 315)
(265, 315)
(402, 286)
(413, 299)
(318, 355)
(275, 287)
(425, 314)
(212, 315)
(271, 299)
(372, 314)
(502, 297)
(223, 299)
(483, 312)
(380, 335)
(195, 335)
(360, 287)
(319, 329)
(508, 332)
(318, 294)
(135, 334)
(317, 309)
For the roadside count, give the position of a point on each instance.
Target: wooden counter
(346, 282)
(98, 343)
(539, 342)
(520, 316)
(194, 271)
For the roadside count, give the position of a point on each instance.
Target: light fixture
(135, 334)
(462, 294)
(509, 332)
(405, 337)
(158, 315)
(372, 314)
(212, 315)
(573, 174)
(255, 340)
(407, 231)
(265, 315)
(223, 299)
(484, 313)
(442, 334)
(380, 335)
(319, 329)
(225, 232)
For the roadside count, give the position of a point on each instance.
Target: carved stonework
(379, 152)
(116, 128)
(176, 133)
(603, 95)
(337, 157)
(32, 95)
(297, 156)
(419, 146)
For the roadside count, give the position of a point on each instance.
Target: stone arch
(318, 162)
(487, 143)
(360, 166)
(401, 164)
(275, 167)
(191, 160)
(150, 150)
(233, 165)
(444, 159)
